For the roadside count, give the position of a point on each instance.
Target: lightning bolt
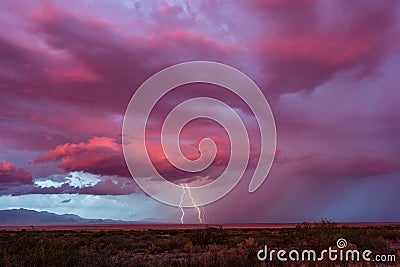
(200, 215)
(180, 203)
(194, 204)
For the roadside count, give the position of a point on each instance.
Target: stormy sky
(329, 70)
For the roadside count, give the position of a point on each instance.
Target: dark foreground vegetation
(193, 247)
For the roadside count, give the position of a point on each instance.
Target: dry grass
(192, 247)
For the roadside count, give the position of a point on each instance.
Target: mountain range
(25, 217)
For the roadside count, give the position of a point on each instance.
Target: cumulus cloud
(104, 156)
(10, 175)
(73, 183)
(100, 155)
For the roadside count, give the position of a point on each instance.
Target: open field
(187, 246)
(129, 227)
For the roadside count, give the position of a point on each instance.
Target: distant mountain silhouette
(25, 217)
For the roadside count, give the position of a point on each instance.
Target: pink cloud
(9, 174)
(307, 43)
(100, 155)
(86, 60)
